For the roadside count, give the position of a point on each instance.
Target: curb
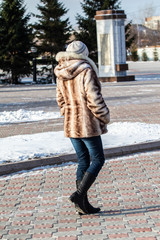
(109, 153)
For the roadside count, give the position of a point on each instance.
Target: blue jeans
(90, 155)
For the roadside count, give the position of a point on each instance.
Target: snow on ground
(139, 78)
(26, 116)
(24, 147)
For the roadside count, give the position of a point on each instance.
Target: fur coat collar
(71, 64)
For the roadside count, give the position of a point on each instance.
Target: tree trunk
(53, 75)
(14, 78)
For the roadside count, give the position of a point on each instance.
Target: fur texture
(79, 96)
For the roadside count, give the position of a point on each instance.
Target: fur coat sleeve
(61, 101)
(95, 101)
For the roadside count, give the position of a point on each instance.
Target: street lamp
(34, 50)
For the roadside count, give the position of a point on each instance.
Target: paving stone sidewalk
(34, 205)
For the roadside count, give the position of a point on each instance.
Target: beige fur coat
(79, 96)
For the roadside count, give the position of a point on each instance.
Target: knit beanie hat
(78, 47)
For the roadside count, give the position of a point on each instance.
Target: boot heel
(80, 211)
(75, 199)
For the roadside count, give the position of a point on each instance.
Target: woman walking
(85, 117)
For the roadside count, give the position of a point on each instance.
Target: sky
(133, 9)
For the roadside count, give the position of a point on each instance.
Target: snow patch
(24, 147)
(26, 116)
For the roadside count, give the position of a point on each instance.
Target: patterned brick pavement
(34, 205)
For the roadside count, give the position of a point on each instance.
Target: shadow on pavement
(130, 211)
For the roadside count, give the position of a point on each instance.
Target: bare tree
(147, 11)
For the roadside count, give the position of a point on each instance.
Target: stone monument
(111, 46)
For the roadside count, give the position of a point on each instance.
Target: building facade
(153, 22)
(152, 53)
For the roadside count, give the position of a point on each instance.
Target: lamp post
(34, 50)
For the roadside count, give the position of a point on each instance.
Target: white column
(111, 45)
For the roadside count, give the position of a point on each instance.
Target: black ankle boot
(79, 197)
(89, 207)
